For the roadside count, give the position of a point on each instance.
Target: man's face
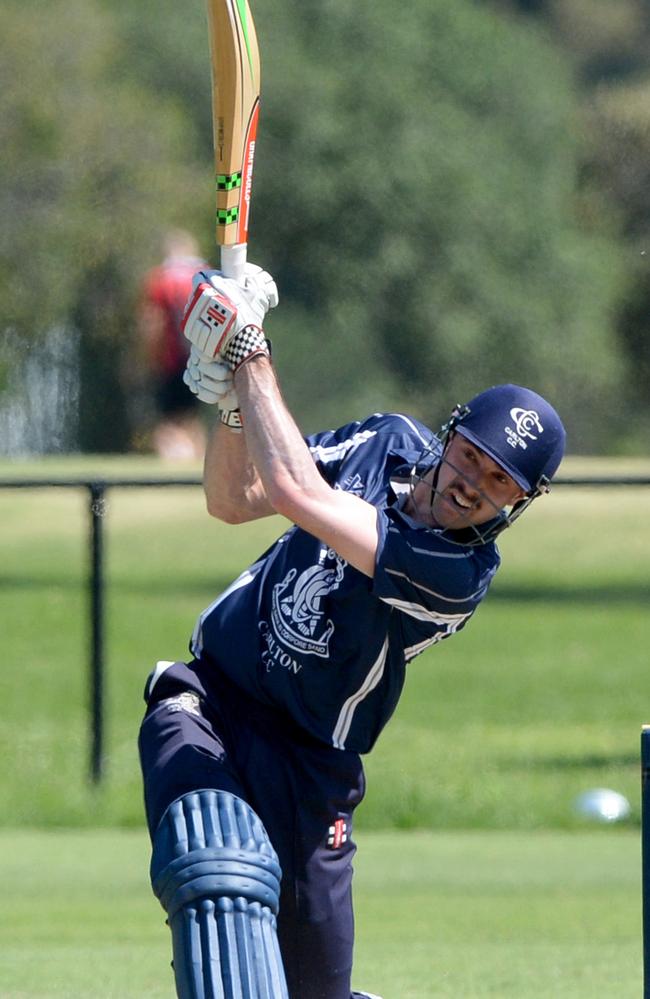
(471, 489)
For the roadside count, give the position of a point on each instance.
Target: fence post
(645, 854)
(97, 510)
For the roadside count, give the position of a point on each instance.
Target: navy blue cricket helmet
(518, 429)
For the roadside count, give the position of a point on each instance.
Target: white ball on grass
(602, 805)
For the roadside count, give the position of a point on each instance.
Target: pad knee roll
(217, 876)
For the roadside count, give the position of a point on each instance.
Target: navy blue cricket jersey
(303, 631)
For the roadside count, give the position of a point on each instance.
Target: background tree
(417, 194)
(420, 191)
(94, 166)
(608, 49)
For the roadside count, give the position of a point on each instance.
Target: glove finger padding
(210, 381)
(220, 311)
(201, 390)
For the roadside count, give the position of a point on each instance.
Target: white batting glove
(210, 381)
(223, 319)
(259, 282)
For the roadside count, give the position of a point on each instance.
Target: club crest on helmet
(526, 420)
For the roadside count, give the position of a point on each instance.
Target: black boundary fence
(97, 507)
(96, 490)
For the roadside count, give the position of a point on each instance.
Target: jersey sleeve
(332, 449)
(434, 584)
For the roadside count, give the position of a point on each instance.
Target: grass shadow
(165, 585)
(587, 761)
(607, 592)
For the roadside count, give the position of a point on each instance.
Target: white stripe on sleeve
(424, 614)
(440, 596)
(344, 723)
(336, 451)
(414, 650)
(427, 551)
(426, 441)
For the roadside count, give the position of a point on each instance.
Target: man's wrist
(248, 343)
(231, 418)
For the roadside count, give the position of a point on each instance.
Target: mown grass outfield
(500, 891)
(440, 915)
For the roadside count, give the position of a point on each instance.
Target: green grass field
(475, 877)
(471, 914)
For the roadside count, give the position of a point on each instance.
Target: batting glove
(210, 381)
(223, 319)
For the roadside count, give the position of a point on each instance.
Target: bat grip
(233, 261)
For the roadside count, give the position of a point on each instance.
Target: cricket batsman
(251, 751)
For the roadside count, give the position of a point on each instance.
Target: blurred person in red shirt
(178, 431)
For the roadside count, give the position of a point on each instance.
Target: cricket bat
(235, 63)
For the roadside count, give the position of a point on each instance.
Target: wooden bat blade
(235, 65)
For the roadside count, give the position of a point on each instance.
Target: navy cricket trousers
(303, 791)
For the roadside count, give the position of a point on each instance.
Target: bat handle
(233, 261)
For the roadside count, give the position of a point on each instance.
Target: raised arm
(233, 490)
(268, 468)
(292, 483)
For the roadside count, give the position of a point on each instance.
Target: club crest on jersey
(527, 425)
(337, 834)
(297, 614)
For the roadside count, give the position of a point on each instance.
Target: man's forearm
(234, 492)
(275, 444)
(292, 482)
